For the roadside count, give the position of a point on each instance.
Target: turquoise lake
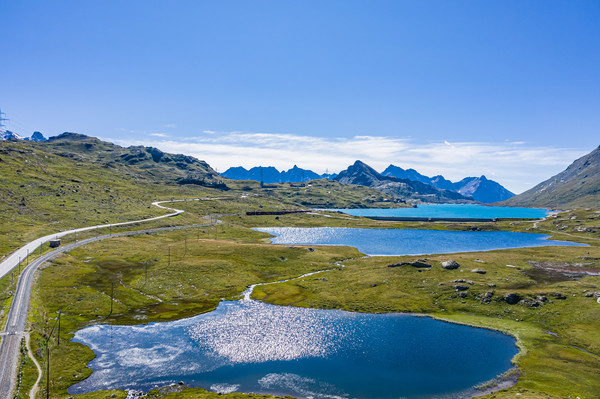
(451, 211)
(249, 346)
(386, 242)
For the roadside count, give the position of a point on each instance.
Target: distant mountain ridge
(473, 188)
(480, 188)
(270, 174)
(576, 186)
(8, 135)
(362, 174)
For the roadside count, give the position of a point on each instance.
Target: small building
(55, 243)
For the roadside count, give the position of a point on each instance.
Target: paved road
(21, 254)
(17, 315)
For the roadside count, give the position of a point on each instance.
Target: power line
(2, 119)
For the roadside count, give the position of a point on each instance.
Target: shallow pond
(451, 211)
(249, 346)
(409, 241)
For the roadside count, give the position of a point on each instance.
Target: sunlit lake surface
(452, 211)
(409, 241)
(249, 346)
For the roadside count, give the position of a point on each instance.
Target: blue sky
(510, 89)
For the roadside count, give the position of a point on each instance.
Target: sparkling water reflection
(250, 346)
(409, 241)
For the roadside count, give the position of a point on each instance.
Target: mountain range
(576, 186)
(270, 174)
(8, 135)
(480, 188)
(363, 175)
(470, 188)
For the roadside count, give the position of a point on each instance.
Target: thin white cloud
(159, 134)
(517, 166)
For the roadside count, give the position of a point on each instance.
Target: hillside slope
(576, 186)
(74, 180)
(60, 184)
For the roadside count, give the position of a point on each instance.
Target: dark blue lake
(452, 211)
(409, 241)
(249, 346)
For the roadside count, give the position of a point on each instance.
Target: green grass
(547, 362)
(148, 287)
(203, 270)
(47, 189)
(214, 262)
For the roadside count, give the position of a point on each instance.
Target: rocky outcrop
(512, 298)
(420, 263)
(487, 297)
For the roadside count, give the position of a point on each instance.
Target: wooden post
(112, 295)
(48, 368)
(58, 337)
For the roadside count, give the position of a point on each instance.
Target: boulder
(450, 264)
(512, 298)
(459, 287)
(480, 271)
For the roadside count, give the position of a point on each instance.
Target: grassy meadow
(171, 275)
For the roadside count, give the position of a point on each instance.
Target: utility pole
(112, 296)
(58, 339)
(48, 354)
(48, 368)
(261, 177)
